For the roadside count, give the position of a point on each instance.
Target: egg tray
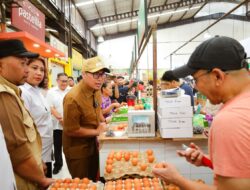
(125, 168)
(134, 184)
(174, 187)
(68, 184)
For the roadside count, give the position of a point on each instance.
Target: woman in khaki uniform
(82, 121)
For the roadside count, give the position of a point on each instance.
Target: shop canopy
(33, 44)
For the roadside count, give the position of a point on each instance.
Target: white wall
(117, 52)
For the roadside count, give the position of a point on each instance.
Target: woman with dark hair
(107, 106)
(38, 107)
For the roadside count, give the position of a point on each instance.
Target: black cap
(218, 52)
(15, 47)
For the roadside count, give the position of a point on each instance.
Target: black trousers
(57, 136)
(49, 169)
(84, 167)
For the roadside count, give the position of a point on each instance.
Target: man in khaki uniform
(82, 121)
(20, 133)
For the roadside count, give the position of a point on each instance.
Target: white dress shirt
(55, 98)
(6, 171)
(40, 111)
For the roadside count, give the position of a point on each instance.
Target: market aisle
(64, 172)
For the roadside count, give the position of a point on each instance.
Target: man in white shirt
(6, 170)
(55, 99)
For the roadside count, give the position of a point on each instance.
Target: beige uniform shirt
(82, 108)
(21, 136)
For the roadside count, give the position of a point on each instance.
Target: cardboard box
(177, 112)
(186, 122)
(176, 132)
(181, 101)
(175, 127)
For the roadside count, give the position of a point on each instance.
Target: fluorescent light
(50, 30)
(100, 39)
(36, 45)
(48, 50)
(207, 35)
(135, 19)
(88, 2)
(56, 55)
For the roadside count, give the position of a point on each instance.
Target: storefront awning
(33, 44)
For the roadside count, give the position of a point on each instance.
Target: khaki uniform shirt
(82, 107)
(21, 136)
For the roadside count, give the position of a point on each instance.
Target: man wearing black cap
(22, 138)
(220, 72)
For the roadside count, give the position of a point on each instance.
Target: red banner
(28, 18)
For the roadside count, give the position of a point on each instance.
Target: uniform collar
(87, 90)
(11, 85)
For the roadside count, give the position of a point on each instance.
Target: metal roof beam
(134, 13)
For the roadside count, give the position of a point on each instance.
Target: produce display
(129, 163)
(118, 126)
(74, 184)
(134, 184)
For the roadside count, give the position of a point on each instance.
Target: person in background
(123, 89)
(115, 89)
(22, 138)
(220, 71)
(141, 86)
(55, 99)
(149, 88)
(38, 107)
(71, 81)
(168, 81)
(6, 171)
(83, 121)
(79, 78)
(107, 106)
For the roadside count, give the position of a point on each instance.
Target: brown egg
(109, 168)
(82, 185)
(59, 181)
(109, 161)
(143, 166)
(118, 187)
(67, 180)
(127, 156)
(135, 154)
(149, 152)
(151, 159)
(93, 187)
(118, 156)
(85, 180)
(76, 180)
(159, 165)
(134, 161)
(155, 179)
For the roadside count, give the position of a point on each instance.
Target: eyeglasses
(64, 81)
(201, 75)
(98, 75)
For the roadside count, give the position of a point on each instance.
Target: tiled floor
(64, 172)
